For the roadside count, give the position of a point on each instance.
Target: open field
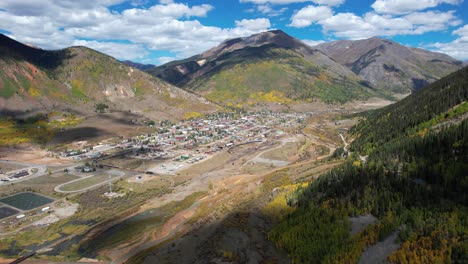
(286, 152)
(89, 181)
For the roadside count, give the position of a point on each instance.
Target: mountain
(407, 170)
(137, 65)
(79, 78)
(266, 67)
(388, 65)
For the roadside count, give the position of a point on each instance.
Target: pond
(6, 212)
(26, 200)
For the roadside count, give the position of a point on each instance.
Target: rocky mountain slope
(266, 67)
(78, 78)
(388, 65)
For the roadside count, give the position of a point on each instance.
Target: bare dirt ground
(28, 153)
(360, 222)
(379, 252)
(59, 211)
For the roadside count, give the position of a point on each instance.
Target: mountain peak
(388, 64)
(273, 37)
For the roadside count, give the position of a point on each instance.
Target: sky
(159, 31)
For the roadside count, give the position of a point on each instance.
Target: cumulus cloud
(268, 10)
(117, 50)
(395, 17)
(286, 2)
(407, 6)
(312, 43)
(253, 24)
(456, 48)
(165, 26)
(352, 26)
(310, 14)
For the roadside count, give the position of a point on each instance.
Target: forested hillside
(409, 168)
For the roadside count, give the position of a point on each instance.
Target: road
(345, 143)
(118, 174)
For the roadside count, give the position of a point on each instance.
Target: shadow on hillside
(124, 118)
(77, 134)
(239, 238)
(46, 59)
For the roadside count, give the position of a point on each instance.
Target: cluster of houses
(209, 134)
(196, 138)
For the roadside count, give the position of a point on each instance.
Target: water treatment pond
(6, 212)
(26, 200)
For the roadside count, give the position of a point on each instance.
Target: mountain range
(388, 65)
(269, 67)
(275, 63)
(76, 79)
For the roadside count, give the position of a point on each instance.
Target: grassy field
(87, 182)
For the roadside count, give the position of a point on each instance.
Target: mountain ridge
(371, 67)
(271, 62)
(77, 78)
(390, 65)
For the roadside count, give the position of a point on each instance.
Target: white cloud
(310, 14)
(168, 26)
(312, 43)
(349, 25)
(457, 48)
(253, 24)
(329, 2)
(270, 11)
(117, 50)
(407, 6)
(163, 60)
(286, 2)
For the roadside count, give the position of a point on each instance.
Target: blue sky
(158, 31)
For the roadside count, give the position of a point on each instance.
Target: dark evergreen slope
(400, 119)
(414, 179)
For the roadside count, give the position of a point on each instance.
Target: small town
(190, 141)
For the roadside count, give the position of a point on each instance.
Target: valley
(164, 185)
(261, 149)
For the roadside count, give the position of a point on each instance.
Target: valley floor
(207, 211)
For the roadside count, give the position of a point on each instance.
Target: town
(192, 140)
